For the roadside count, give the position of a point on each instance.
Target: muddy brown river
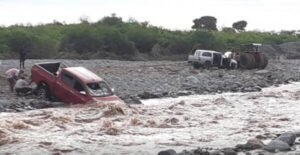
(216, 121)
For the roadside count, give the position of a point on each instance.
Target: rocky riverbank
(135, 80)
(285, 143)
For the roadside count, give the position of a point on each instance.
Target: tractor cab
(253, 47)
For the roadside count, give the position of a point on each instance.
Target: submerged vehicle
(70, 84)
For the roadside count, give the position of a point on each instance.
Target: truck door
(207, 58)
(68, 89)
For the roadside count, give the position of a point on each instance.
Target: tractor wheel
(247, 61)
(263, 61)
(257, 59)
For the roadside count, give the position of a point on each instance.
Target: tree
(81, 41)
(205, 22)
(287, 32)
(55, 22)
(111, 20)
(84, 20)
(240, 25)
(228, 30)
(144, 40)
(205, 40)
(20, 42)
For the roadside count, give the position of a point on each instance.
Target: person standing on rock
(22, 59)
(12, 76)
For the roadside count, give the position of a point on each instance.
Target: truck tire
(247, 61)
(207, 64)
(42, 92)
(196, 65)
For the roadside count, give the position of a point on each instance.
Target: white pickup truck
(205, 58)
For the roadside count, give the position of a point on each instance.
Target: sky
(263, 15)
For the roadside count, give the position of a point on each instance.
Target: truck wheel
(207, 64)
(196, 65)
(42, 92)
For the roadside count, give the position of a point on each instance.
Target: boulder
(200, 151)
(277, 145)
(229, 151)
(192, 80)
(184, 93)
(262, 72)
(148, 95)
(215, 153)
(252, 144)
(132, 100)
(168, 152)
(297, 133)
(287, 137)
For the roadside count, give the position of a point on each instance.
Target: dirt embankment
(142, 80)
(289, 50)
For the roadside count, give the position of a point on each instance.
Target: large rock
(297, 133)
(168, 152)
(132, 100)
(229, 151)
(252, 144)
(277, 145)
(287, 137)
(198, 151)
(262, 72)
(148, 95)
(192, 80)
(184, 93)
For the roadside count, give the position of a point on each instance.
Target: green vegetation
(240, 25)
(113, 38)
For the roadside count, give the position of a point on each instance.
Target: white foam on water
(221, 120)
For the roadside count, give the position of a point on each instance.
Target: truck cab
(205, 58)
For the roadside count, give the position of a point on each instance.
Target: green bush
(111, 37)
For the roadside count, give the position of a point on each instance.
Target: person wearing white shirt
(22, 86)
(12, 76)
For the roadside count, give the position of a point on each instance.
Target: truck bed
(51, 68)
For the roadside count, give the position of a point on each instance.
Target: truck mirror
(82, 93)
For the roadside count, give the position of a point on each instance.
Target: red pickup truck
(70, 84)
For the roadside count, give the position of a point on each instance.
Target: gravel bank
(135, 80)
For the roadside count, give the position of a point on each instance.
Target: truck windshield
(99, 89)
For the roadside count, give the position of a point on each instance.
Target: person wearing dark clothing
(22, 60)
